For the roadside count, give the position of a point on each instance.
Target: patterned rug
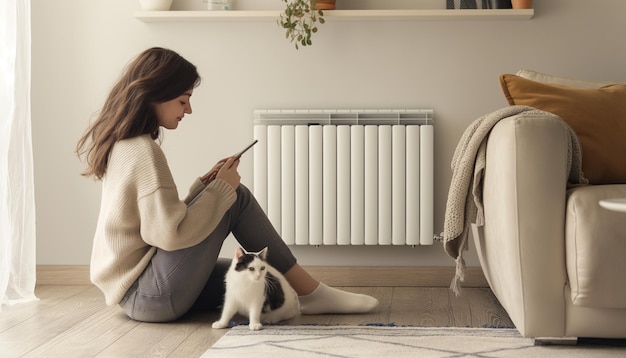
(391, 342)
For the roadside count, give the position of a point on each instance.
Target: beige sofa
(555, 259)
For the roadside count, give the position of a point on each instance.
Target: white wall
(80, 47)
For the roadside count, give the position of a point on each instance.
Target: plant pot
(522, 4)
(155, 5)
(325, 5)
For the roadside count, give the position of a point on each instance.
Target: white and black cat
(258, 291)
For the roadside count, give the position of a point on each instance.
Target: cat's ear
(263, 254)
(239, 253)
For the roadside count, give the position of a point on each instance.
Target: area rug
(390, 342)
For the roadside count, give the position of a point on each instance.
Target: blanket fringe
(459, 276)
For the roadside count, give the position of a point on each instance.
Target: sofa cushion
(595, 246)
(597, 115)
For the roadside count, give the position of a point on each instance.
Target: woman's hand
(228, 172)
(210, 176)
(225, 169)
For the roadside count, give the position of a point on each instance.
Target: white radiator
(346, 177)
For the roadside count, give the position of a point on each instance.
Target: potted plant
(300, 20)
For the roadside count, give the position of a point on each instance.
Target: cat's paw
(255, 326)
(219, 325)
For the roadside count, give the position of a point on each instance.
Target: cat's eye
(251, 269)
(262, 268)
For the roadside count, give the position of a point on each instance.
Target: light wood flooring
(73, 321)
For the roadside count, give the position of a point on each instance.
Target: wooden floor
(73, 321)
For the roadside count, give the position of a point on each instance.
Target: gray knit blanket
(464, 205)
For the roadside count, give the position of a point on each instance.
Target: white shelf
(337, 15)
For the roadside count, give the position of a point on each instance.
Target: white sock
(326, 299)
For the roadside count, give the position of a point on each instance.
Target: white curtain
(17, 194)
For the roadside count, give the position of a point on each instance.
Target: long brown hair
(157, 75)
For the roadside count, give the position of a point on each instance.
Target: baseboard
(63, 275)
(331, 275)
(396, 276)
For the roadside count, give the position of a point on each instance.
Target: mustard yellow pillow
(597, 115)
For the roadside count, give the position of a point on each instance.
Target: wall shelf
(337, 15)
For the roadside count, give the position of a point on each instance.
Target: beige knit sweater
(141, 211)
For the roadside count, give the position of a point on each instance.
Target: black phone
(238, 155)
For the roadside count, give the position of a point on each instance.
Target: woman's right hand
(212, 174)
(228, 172)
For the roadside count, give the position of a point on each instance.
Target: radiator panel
(346, 177)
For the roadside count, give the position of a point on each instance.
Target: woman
(157, 256)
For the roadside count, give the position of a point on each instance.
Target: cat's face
(252, 265)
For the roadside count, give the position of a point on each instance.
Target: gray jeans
(176, 281)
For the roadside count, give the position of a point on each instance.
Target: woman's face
(171, 112)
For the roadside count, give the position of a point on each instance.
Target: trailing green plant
(300, 20)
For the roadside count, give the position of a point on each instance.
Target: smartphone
(238, 155)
